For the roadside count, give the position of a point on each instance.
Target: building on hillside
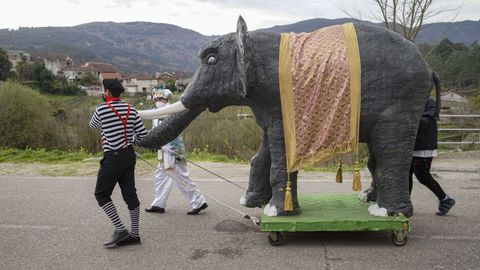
(169, 76)
(452, 102)
(76, 73)
(105, 71)
(140, 84)
(181, 84)
(15, 57)
(110, 75)
(56, 63)
(103, 67)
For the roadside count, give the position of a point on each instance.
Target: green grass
(11, 155)
(43, 156)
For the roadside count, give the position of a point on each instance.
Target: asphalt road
(55, 223)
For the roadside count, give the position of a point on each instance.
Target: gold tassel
(357, 184)
(339, 178)
(288, 205)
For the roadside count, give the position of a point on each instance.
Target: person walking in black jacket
(425, 150)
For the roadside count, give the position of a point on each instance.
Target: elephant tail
(436, 81)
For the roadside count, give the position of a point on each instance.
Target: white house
(76, 73)
(140, 84)
(57, 63)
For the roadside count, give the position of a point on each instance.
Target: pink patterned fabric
(321, 90)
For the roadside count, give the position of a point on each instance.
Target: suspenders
(123, 120)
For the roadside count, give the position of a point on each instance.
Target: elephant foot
(368, 195)
(404, 212)
(253, 199)
(273, 211)
(377, 211)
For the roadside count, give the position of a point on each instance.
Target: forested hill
(143, 47)
(132, 47)
(466, 32)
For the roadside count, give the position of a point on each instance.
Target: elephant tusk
(162, 112)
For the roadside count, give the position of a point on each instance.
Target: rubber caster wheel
(399, 238)
(276, 238)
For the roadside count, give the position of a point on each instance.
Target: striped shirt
(113, 132)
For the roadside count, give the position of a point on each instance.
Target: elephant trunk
(170, 128)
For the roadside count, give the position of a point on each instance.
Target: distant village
(64, 66)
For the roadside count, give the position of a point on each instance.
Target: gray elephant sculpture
(242, 69)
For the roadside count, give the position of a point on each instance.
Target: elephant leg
(391, 142)
(278, 174)
(370, 194)
(259, 190)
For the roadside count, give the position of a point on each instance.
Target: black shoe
(444, 206)
(130, 241)
(117, 237)
(155, 209)
(197, 210)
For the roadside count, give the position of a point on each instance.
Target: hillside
(466, 32)
(132, 47)
(458, 32)
(144, 47)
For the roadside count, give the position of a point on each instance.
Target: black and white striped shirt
(113, 132)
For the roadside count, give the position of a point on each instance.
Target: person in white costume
(172, 160)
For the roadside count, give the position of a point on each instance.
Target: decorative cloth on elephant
(319, 75)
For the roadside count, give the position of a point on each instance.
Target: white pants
(163, 186)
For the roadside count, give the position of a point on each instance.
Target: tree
(407, 16)
(88, 79)
(37, 75)
(5, 65)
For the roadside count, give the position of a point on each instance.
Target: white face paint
(160, 104)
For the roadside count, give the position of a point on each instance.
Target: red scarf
(110, 99)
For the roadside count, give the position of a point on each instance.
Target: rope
(255, 220)
(221, 177)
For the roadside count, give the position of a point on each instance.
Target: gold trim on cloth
(319, 76)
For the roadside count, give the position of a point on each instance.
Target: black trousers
(117, 167)
(421, 168)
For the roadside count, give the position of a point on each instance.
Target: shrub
(25, 118)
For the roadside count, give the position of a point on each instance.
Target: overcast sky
(208, 17)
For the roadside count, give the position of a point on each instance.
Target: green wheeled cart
(334, 213)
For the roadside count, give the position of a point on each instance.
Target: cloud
(128, 3)
(290, 6)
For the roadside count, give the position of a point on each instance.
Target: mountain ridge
(148, 47)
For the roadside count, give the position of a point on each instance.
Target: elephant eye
(211, 59)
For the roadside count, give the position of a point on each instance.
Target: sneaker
(197, 210)
(130, 241)
(444, 206)
(117, 237)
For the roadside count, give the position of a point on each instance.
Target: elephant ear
(244, 56)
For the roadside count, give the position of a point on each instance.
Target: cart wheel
(399, 238)
(276, 238)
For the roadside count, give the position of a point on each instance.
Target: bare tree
(403, 16)
(407, 16)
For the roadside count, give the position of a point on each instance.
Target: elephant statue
(241, 68)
